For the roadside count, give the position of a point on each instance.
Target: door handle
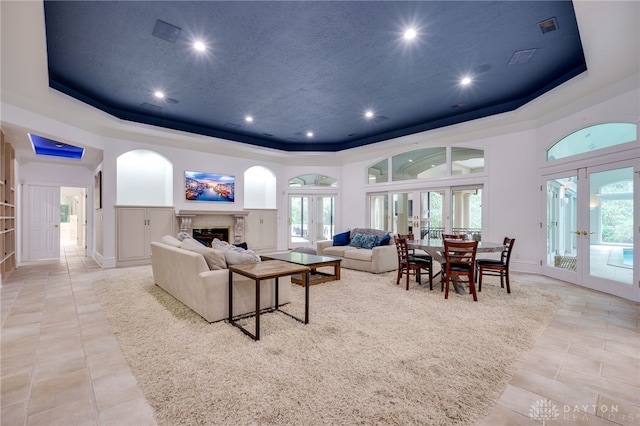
(587, 233)
(55, 226)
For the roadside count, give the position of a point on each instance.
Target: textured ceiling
(308, 66)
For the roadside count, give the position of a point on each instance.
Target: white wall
(53, 175)
(182, 160)
(512, 182)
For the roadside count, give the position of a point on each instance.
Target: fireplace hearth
(207, 235)
(231, 222)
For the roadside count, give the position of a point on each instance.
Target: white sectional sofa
(378, 259)
(187, 276)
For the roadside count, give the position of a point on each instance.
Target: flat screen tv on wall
(201, 186)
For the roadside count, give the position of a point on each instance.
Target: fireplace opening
(206, 235)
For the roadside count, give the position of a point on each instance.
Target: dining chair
(460, 261)
(419, 253)
(496, 267)
(410, 265)
(452, 237)
(443, 265)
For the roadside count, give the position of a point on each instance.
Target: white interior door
(44, 222)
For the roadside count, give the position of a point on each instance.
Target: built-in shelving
(7, 208)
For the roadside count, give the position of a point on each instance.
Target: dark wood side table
(263, 271)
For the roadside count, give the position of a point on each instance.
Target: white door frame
(313, 197)
(582, 274)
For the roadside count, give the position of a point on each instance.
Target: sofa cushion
(170, 240)
(235, 255)
(341, 239)
(238, 258)
(369, 231)
(359, 254)
(384, 241)
(184, 236)
(364, 241)
(337, 251)
(305, 250)
(215, 258)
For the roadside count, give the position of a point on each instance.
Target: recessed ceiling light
(368, 114)
(199, 46)
(248, 119)
(309, 134)
(410, 34)
(158, 94)
(465, 81)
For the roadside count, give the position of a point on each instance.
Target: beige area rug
(373, 353)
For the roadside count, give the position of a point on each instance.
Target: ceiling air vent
(380, 118)
(166, 31)
(460, 105)
(548, 25)
(521, 56)
(233, 125)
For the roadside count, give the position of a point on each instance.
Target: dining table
(435, 248)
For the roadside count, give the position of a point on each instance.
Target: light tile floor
(61, 363)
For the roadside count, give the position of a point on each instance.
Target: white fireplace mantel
(212, 212)
(234, 218)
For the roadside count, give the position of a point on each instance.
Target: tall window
(379, 211)
(616, 212)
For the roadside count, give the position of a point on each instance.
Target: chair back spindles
(452, 237)
(411, 265)
(460, 260)
(495, 267)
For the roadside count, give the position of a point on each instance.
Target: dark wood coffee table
(263, 271)
(313, 262)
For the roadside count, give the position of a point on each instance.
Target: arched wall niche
(144, 178)
(259, 188)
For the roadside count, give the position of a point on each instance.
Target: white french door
(429, 213)
(421, 213)
(311, 219)
(592, 225)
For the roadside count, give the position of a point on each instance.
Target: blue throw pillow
(341, 239)
(384, 241)
(364, 241)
